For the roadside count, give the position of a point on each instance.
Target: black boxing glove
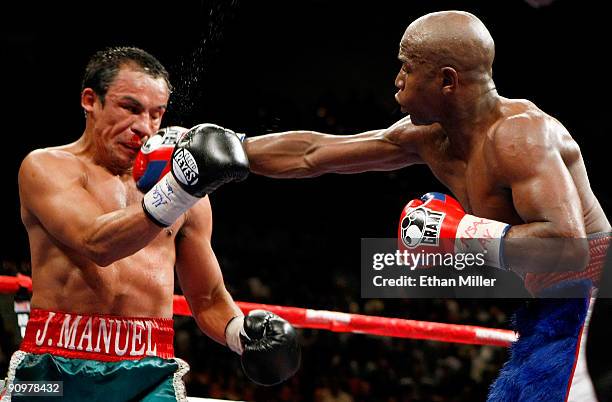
(206, 157)
(270, 352)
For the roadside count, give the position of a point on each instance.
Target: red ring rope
(341, 322)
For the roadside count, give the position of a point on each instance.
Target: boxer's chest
(476, 187)
(114, 193)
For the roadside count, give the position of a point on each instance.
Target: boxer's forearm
(118, 234)
(296, 154)
(282, 155)
(212, 314)
(544, 247)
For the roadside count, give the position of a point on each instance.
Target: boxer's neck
(468, 121)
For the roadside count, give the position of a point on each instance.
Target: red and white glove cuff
(483, 236)
(166, 201)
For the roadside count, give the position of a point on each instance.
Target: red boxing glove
(436, 223)
(151, 163)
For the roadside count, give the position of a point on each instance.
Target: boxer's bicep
(550, 196)
(543, 190)
(51, 189)
(200, 275)
(378, 150)
(296, 154)
(197, 266)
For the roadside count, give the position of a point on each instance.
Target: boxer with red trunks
(104, 254)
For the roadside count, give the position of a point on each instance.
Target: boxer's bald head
(449, 39)
(447, 60)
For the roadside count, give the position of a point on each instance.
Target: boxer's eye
(128, 108)
(156, 115)
(132, 108)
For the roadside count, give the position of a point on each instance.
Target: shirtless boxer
(104, 254)
(508, 163)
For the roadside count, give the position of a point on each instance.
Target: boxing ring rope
(12, 284)
(340, 322)
(321, 319)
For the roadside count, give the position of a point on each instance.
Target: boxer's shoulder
(52, 155)
(405, 130)
(420, 138)
(56, 162)
(521, 119)
(523, 141)
(433, 145)
(521, 127)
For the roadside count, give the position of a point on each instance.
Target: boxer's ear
(450, 79)
(88, 98)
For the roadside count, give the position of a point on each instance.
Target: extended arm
(296, 154)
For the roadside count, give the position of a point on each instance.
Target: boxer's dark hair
(104, 66)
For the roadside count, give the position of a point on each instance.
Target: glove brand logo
(172, 135)
(151, 144)
(166, 136)
(185, 167)
(421, 227)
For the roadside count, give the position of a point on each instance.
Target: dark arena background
(265, 66)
